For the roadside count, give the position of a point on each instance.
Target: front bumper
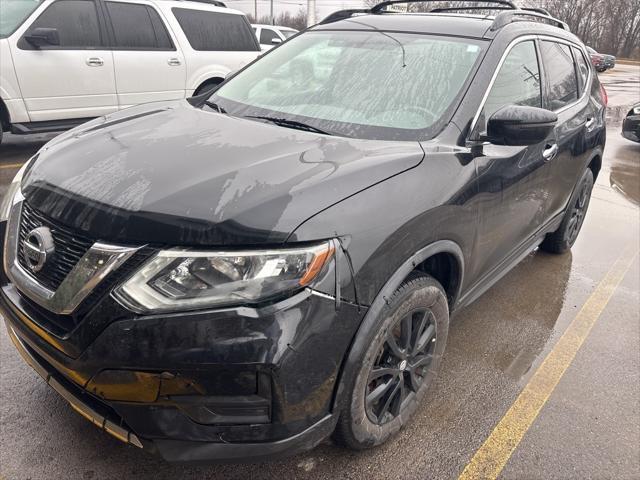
(221, 385)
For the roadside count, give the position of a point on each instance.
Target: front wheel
(399, 360)
(563, 239)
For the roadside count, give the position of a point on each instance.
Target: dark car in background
(631, 124)
(242, 274)
(601, 61)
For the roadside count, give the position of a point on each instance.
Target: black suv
(244, 274)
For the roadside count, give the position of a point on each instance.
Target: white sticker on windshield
(472, 48)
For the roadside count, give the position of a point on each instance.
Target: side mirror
(276, 41)
(519, 125)
(40, 37)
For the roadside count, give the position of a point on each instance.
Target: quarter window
(267, 36)
(517, 82)
(213, 31)
(76, 22)
(583, 68)
(561, 74)
(138, 27)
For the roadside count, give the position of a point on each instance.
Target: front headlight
(12, 189)
(186, 280)
(636, 110)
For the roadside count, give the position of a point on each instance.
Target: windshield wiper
(285, 122)
(215, 107)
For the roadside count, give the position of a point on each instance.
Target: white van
(63, 62)
(272, 35)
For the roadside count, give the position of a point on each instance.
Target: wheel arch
(595, 164)
(446, 251)
(5, 117)
(216, 80)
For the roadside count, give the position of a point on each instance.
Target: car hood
(169, 173)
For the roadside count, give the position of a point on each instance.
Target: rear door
(215, 42)
(568, 80)
(73, 79)
(513, 181)
(148, 66)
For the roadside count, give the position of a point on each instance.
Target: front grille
(69, 247)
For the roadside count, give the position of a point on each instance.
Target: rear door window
(561, 74)
(138, 27)
(517, 82)
(213, 31)
(76, 22)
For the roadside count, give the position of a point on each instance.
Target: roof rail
(508, 11)
(461, 9)
(381, 6)
(543, 11)
(505, 18)
(215, 3)
(342, 14)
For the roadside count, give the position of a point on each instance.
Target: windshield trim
(382, 133)
(24, 19)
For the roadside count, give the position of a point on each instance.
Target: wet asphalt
(588, 428)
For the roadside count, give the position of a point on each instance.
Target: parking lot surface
(577, 413)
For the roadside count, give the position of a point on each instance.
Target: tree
(609, 26)
(284, 19)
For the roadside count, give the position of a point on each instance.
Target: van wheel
(563, 239)
(399, 361)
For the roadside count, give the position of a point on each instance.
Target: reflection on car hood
(168, 173)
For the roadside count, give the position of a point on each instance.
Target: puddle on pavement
(510, 326)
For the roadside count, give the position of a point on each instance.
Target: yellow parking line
(493, 455)
(11, 165)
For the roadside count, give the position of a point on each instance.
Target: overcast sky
(323, 7)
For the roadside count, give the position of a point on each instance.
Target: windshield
(361, 84)
(288, 33)
(13, 13)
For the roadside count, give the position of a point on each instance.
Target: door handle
(174, 62)
(95, 62)
(590, 124)
(550, 152)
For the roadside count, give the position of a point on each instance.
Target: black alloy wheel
(393, 362)
(565, 236)
(578, 212)
(401, 365)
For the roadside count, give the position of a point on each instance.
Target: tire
(421, 303)
(563, 239)
(206, 87)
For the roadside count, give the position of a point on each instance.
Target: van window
(583, 68)
(267, 36)
(76, 22)
(517, 83)
(561, 74)
(213, 31)
(138, 27)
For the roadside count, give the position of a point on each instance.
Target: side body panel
(63, 83)
(144, 76)
(204, 65)
(9, 86)
(384, 225)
